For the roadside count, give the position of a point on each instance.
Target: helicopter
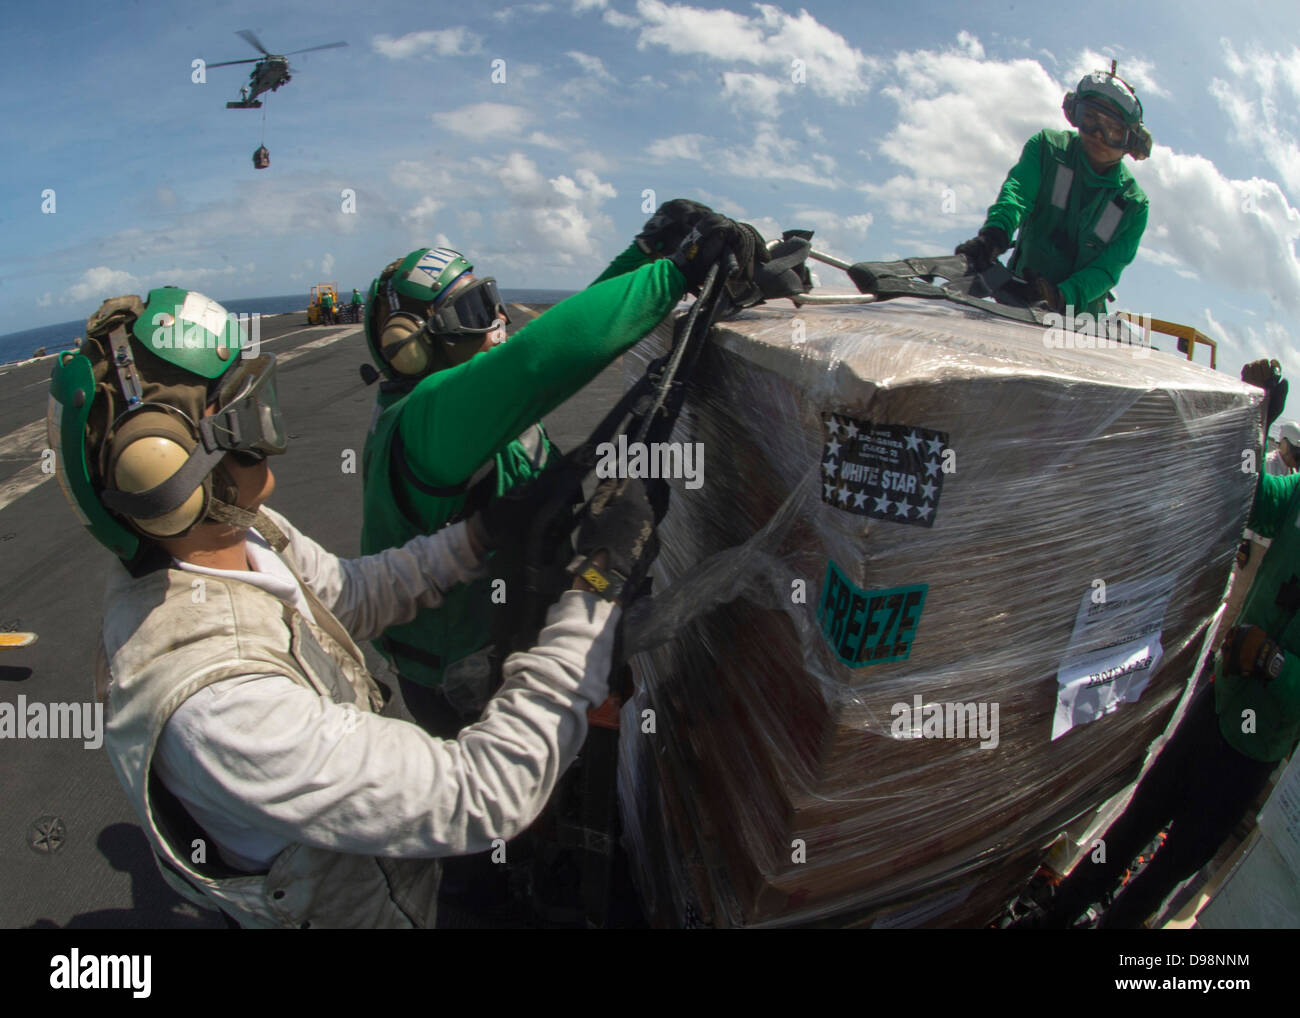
(271, 72)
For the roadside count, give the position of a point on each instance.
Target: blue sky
(540, 177)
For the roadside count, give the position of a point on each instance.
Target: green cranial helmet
(398, 303)
(142, 415)
(1107, 92)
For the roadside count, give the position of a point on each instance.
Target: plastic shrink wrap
(930, 586)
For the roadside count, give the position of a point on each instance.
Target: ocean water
(18, 346)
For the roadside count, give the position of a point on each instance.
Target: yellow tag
(595, 579)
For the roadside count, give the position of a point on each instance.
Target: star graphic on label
(833, 447)
(833, 426)
(882, 504)
(924, 511)
(901, 508)
(931, 468)
(851, 430)
(844, 494)
(859, 499)
(928, 490)
(935, 445)
(830, 491)
(914, 442)
(829, 468)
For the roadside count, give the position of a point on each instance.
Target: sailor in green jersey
(1079, 210)
(456, 424)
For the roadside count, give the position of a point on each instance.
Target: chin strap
(224, 512)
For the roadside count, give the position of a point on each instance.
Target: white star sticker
(851, 430)
(935, 445)
(859, 499)
(924, 511)
(928, 490)
(914, 442)
(830, 491)
(833, 447)
(829, 468)
(844, 494)
(833, 426)
(882, 504)
(932, 468)
(901, 508)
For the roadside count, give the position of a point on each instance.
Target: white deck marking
(29, 477)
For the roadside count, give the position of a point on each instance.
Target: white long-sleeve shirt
(262, 762)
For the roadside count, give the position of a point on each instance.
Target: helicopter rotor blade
(247, 35)
(227, 63)
(309, 49)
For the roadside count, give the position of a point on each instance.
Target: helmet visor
(475, 309)
(1094, 118)
(248, 417)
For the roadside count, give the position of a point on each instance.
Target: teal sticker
(868, 627)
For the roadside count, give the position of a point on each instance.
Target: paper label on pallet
(887, 471)
(1113, 651)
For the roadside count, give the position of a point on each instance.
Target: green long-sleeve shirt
(456, 420)
(1275, 705)
(1078, 228)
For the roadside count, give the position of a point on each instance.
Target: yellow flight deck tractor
(323, 306)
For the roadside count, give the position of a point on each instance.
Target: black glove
(664, 231)
(1050, 295)
(982, 251)
(1248, 651)
(1267, 375)
(710, 240)
(786, 272)
(620, 521)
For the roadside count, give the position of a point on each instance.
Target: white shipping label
(203, 312)
(1113, 651)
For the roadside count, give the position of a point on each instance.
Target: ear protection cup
(148, 448)
(404, 344)
(1067, 108)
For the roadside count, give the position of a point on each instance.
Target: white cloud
(1137, 72)
(753, 93)
(962, 122)
(508, 13)
(588, 5)
(45, 300)
(1272, 340)
(970, 45)
(765, 156)
(327, 264)
(679, 146)
(591, 65)
(771, 39)
(484, 119)
(1241, 233)
(100, 283)
(444, 42)
(618, 20)
(1261, 105)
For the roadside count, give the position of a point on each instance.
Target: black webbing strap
(396, 649)
(171, 494)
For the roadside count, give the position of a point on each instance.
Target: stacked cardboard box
(926, 543)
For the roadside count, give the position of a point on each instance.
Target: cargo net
(928, 588)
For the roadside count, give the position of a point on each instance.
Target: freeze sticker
(868, 627)
(887, 471)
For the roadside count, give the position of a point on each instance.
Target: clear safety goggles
(1095, 119)
(248, 418)
(475, 310)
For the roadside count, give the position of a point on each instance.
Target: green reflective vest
(1272, 726)
(456, 424)
(1078, 228)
